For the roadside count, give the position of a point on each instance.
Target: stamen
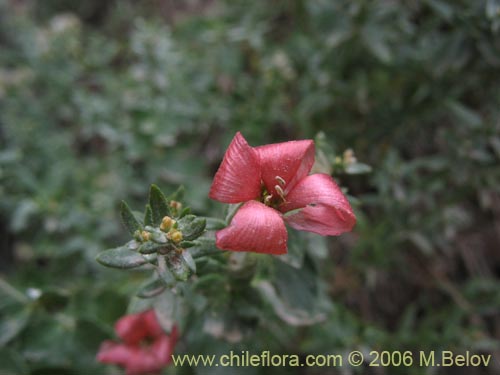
(267, 200)
(280, 180)
(280, 191)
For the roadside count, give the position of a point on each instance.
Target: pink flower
(274, 182)
(146, 348)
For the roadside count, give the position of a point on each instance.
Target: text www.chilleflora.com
(356, 358)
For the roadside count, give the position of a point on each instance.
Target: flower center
(276, 198)
(146, 342)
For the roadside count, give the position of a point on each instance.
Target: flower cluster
(145, 347)
(275, 187)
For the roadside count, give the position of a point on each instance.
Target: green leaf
(189, 261)
(178, 266)
(376, 42)
(292, 315)
(294, 294)
(357, 168)
(148, 216)
(188, 244)
(158, 237)
(464, 114)
(164, 273)
(170, 310)
(185, 211)
(150, 247)
(231, 210)
(151, 289)
(12, 325)
(214, 224)
(205, 247)
(177, 195)
(128, 219)
(49, 340)
(159, 205)
(21, 217)
(441, 8)
(191, 227)
(296, 249)
(121, 257)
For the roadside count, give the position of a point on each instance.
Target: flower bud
(176, 207)
(166, 223)
(146, 236)
(175, 236)
(349, 157)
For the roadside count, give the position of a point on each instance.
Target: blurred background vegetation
(99, 99)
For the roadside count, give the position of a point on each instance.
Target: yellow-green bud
(146, 236)
(349, 157)
(177, 206)
(166, 223)
(175, 236)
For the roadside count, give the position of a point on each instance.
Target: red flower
(146, 348)
(273, 180)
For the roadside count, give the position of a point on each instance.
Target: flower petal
(324, 209)
(164, 346)
(238, 177)
(151, 324)
(112, 352)
(131, 328)
(291, 161)
(143, 361)
(255, 227)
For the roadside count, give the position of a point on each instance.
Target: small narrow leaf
(159, 205)
(128, 218)
(121, 257)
